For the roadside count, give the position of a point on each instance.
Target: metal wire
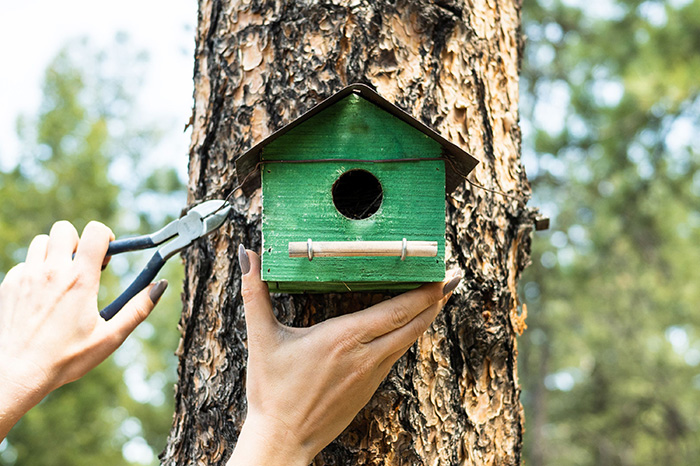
(410, 159)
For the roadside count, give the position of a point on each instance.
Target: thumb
(259, 316)
(137, 309)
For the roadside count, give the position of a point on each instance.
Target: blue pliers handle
(199, 221)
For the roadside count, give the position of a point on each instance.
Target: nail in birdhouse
(353, 197)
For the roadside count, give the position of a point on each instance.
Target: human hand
(51, 332)
(305, 385)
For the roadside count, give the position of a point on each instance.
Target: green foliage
(609, 364)
(75, 149)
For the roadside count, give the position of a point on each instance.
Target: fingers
(396, 342)
(12, 277)
(63, 239)
(385, 366)
(36, 253)
(133, 313)
(397, 312)
(92, 248)
(259, 316)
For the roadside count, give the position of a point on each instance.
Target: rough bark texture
(454, 397)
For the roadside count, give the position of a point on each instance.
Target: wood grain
(413, 203)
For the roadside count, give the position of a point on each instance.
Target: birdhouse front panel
(335, 180)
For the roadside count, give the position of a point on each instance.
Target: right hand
(305, 385)
(51, 332)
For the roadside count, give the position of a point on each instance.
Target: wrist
(269, 444)
(21, 388)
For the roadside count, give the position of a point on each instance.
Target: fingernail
(243, 259)
(452, 284)
(157, 291)
(105, 262)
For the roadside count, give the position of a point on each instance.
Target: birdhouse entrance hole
(357, 194)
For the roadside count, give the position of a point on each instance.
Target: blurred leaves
(610, 116)
(84, 158)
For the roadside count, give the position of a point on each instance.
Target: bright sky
(33, 31)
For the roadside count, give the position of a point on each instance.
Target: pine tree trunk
(454, 397)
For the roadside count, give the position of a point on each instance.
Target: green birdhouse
(353, 197)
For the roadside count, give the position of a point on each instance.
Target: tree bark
(454, 397)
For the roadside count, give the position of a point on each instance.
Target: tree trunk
(454, 397)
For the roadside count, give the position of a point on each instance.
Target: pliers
(199, 221)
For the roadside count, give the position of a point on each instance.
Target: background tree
(611, 116)
(75, 154)
(454, 397)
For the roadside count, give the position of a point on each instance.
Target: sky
(33, 31)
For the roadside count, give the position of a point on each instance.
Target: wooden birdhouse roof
(458, 162)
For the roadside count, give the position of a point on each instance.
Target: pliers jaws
(199, 221)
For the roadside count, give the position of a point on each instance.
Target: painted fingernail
(105, 262)
(452, 284)
(157, 291)
(243, 259)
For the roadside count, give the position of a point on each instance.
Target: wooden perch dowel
(311, 249)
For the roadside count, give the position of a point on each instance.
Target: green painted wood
(352, 128)
(333, 287)
(297, 201)
(297, 205)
